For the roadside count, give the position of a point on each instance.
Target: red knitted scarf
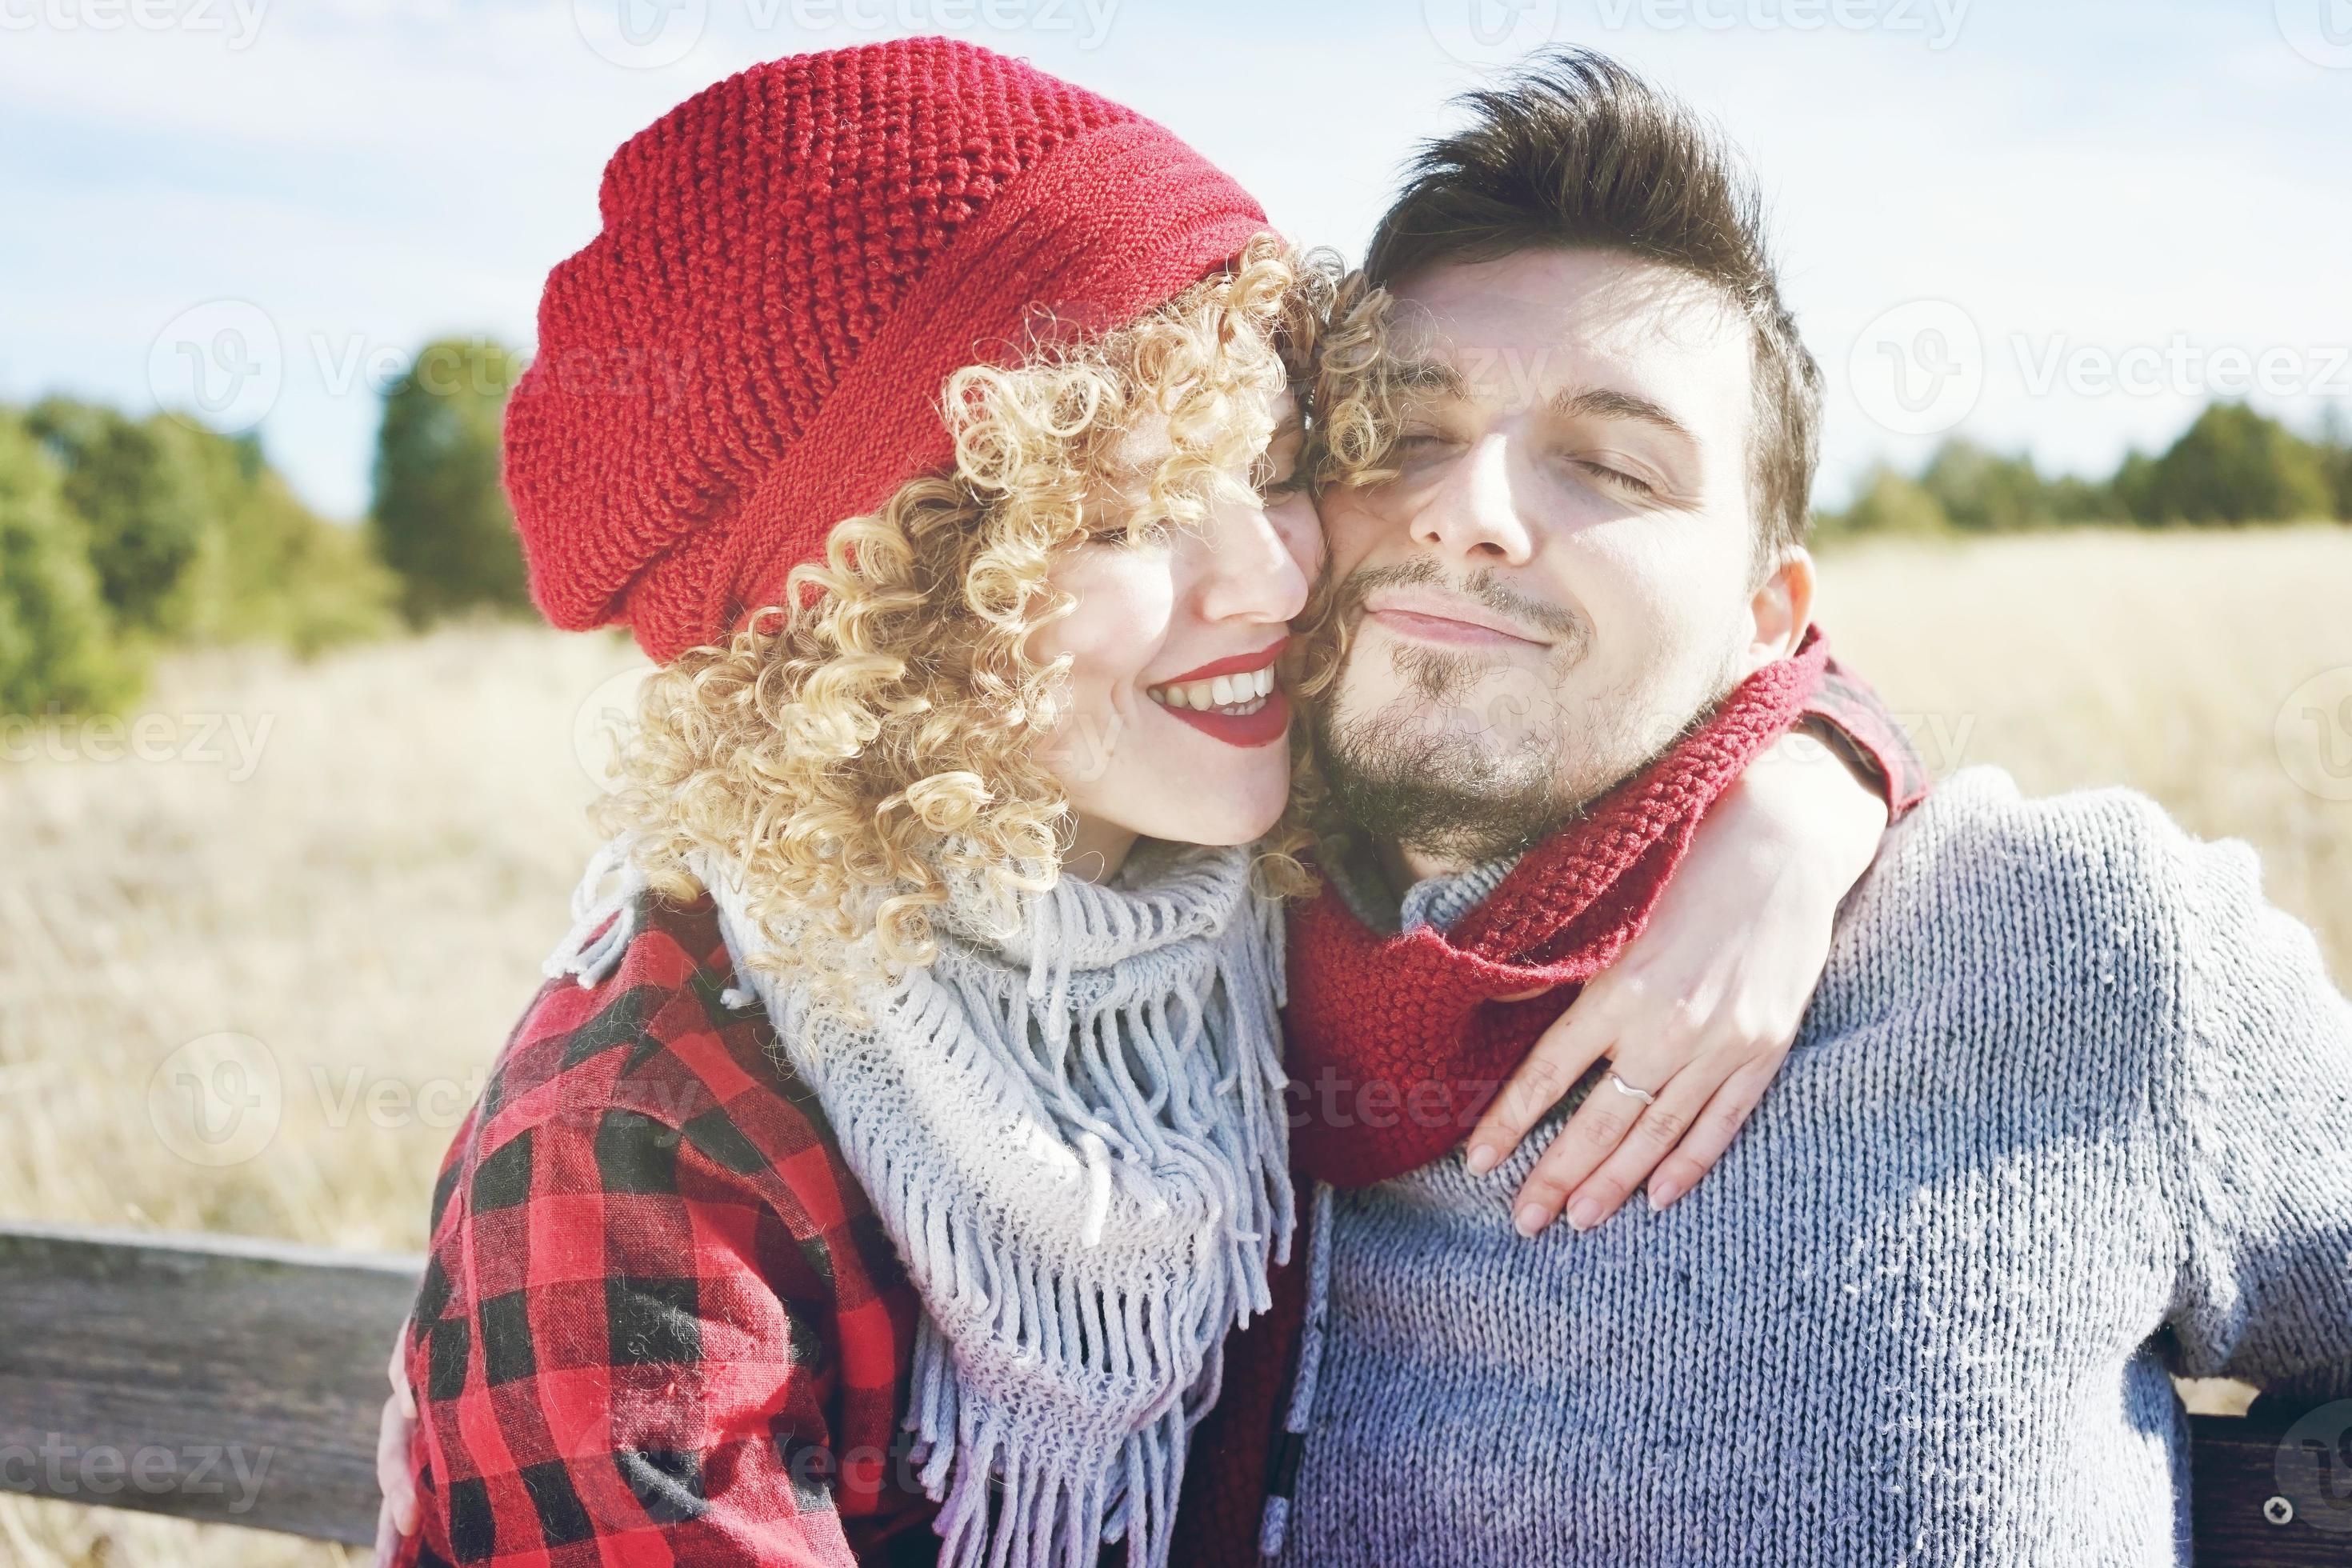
(1396, 1044)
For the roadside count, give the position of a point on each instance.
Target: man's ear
(1782, 608)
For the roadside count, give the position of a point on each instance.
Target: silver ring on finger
(1647, 1095)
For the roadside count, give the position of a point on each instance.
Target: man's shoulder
(2095, 893)
(2077, 853)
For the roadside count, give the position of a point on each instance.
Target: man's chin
(1474, 781)
(1438, 787)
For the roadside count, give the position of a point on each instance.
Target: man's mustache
(1483, 587)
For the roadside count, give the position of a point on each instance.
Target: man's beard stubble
(1423, 772)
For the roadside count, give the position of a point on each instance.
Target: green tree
(134, 488)
(57, 646)
(2336, 454)
(440, 519)
(2070, 499)
(272, 569)
(2135, 489)
(2234, 465)
(1888, 506)
(1984, 492)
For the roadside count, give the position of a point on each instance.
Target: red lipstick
(1234, 664)
(1262, 727)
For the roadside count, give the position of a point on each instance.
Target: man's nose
(1474, 514)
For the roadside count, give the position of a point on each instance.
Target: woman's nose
(1253, 571)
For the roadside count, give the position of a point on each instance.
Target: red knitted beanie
(792, 264)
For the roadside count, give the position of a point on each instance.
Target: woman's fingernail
(1664, 1191)
(1481, 1160)
(1529, 1219)
(1583, 1213)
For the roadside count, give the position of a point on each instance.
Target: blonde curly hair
(1357, 388)
(877, 733)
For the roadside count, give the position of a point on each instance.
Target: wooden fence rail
(200, 1375)
(239, 1382)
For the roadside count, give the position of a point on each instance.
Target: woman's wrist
(1806, 802)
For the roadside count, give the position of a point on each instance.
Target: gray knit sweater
(2072, 1109)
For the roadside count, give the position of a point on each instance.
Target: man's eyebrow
(1597, 402)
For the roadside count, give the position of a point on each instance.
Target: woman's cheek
(1121, 602)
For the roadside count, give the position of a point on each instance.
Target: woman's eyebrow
(1433, 375)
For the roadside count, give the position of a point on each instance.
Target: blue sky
(2054, 228)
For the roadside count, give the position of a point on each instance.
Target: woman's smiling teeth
(1235, 694)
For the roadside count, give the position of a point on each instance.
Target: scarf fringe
(1074, 1331)
(604, 918)
(1004, 1503)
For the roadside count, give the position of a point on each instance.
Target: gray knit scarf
(1074, 1132)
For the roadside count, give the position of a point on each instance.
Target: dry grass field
(354, 867)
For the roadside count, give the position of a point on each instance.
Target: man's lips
(1446, 621)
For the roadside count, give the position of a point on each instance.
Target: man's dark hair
(1575, 152)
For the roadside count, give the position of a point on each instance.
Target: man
(2071, 1111)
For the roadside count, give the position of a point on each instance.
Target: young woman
(900, 1132)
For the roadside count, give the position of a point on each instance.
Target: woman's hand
(396, 1520)
(1701, 1008)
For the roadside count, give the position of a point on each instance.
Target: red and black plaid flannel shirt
(1848, 713)
(660, 1323)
